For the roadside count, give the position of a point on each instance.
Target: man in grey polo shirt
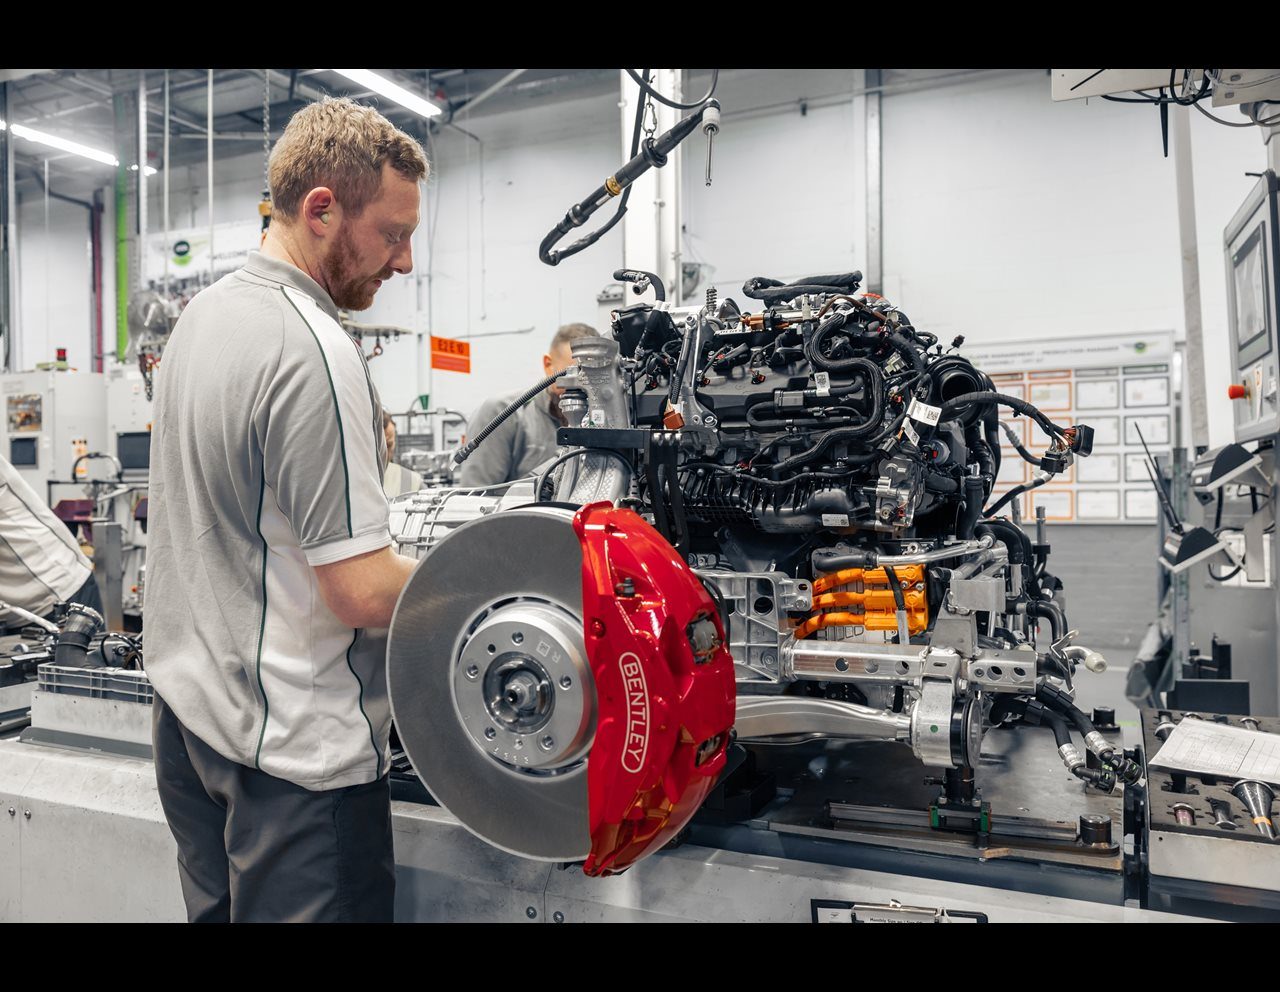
(527, 438)
(271, 573)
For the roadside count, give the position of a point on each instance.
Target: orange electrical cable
(827, 620)
(839, 578)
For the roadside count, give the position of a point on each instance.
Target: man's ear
(320, 211)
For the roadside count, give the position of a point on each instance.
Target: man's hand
(362, 591)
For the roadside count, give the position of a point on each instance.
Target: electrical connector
(1055, 462)
(1081, 439)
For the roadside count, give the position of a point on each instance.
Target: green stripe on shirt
(262, 627)
(360, 682)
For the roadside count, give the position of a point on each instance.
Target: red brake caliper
(664, 684)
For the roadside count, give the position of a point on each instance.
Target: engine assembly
(763, 527)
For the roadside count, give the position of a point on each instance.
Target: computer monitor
(134, 451)
(23, 452)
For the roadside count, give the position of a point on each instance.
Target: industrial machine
(81, 440)
(769, 527)
(51, 419)
(65, 648)
(1226, 593)
(426, 440)
(129, 416)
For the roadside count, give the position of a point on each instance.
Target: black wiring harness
(1055, 709)
(875, 369)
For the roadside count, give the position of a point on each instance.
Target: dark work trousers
(253, 847)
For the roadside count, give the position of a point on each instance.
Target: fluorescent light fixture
(66, 145)
(392, 91)
(63, 144)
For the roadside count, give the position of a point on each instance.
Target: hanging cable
(266, 127)
(675, 105)
(264, 207)
(1219, 120)
(1018, 446)
(607, 226)
(463, 453)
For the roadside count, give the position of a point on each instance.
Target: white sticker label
(835, 520)
(924, 413)
(597, 417)
(822, 380)
(910, 431)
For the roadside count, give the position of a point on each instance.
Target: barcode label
(924, 413)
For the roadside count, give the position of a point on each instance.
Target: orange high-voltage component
(863, 597)
(876, 599)
(910, 574)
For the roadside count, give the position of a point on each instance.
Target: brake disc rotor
(490, 685)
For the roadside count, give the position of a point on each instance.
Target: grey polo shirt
(267, 456)
(524, 441)
(40, 562)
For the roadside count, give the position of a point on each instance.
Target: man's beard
(347, 290)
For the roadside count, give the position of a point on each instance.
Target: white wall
(788, 186)
(237, 188)
(54, 283)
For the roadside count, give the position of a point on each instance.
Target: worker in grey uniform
(527, 438)
(272, 578)
(41, 563)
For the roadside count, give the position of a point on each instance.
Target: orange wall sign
(450, 355)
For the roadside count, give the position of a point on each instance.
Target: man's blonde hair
(342, 145)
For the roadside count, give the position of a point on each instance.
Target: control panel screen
(1249, 263)
(134, 450)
